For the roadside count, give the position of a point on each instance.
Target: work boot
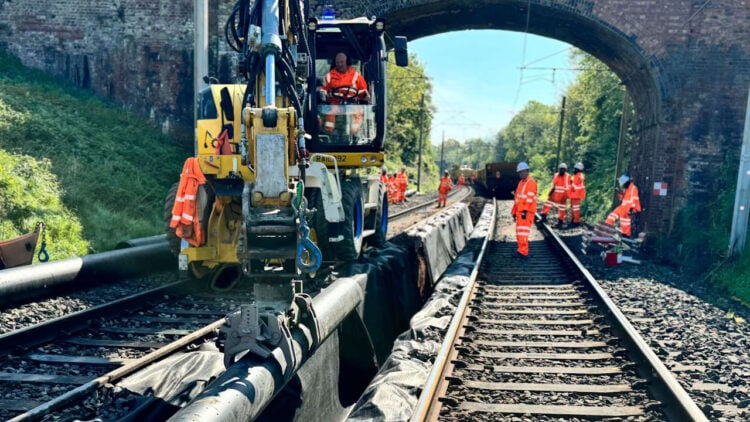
(575, 225)
(544, 218)
(559, 224)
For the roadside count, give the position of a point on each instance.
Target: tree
(406, 86)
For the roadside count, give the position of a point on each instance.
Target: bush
(30, 193)
(114, 166)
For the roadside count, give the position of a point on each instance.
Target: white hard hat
(623, 179)
(578, 166)
(563, 166)
(522, 166)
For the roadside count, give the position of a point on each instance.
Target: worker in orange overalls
(524, 209)
(402, 182)
(558, 195)
(461, 180)
(446, 185)
(577, 193)
(392, 189)
(630, 205)
(185, 216)
(343, 84)
(384, 176)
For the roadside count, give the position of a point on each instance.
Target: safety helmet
(563, 166)
(578, 166)
(623, 179)
(445, 171)
(522, 166)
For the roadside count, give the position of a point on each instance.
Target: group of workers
(563, 188)
(395, 185)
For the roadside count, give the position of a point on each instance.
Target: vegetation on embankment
(95, 173)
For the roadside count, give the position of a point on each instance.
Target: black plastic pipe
(248, 386)
(23, 283)
(141, 241)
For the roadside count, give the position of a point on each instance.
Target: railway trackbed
(539, 338)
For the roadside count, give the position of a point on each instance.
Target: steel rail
(428, 396)
(675, 400)
(426, 204)
(84, 390)
(43, 332)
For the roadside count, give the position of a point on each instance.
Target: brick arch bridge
(686, 65)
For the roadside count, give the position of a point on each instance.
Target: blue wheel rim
(357, 220)
(384, 216)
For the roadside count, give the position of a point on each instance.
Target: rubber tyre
(349, 249)
(378, 219)
(318, 222)
(174, 241)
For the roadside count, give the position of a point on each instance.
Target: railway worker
(446, 185)
(384, 176)
(558, 195)
(629, 206)
(524, 208)
(577, 193)
(402, 181)
(343, 84)
(392, 189)
(461, 180)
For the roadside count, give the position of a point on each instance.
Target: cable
(523, 51)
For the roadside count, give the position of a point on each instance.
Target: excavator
(286, 189)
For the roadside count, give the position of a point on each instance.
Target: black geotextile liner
(394, 289)
(442, 237)
(395, 390)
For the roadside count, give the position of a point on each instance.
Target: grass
(113, 167)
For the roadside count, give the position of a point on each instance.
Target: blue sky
(476, 75)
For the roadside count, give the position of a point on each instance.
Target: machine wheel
(378, 219)
(174, 241)
(351, 198)
(318, 222)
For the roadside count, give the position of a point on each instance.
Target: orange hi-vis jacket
(446, 185)
(402, 183)
(630, 199)
(384, 179)
(577, 187)
(185, 209)
(561, 184)
(525, 199)
(351, 78)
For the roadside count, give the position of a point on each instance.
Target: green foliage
(30, 193)
(114, 167)
(590, 134)
(406, 86)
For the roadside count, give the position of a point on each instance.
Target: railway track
(54, 364)
(539, 338)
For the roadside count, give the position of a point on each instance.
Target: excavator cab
(349, 123)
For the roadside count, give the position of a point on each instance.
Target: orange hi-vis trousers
(558, 200)
(621, 213)
(575, 206)
(523, 230)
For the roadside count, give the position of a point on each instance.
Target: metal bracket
(308, 317)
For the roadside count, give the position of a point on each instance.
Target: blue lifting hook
(305, 244)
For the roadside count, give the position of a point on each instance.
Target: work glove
(524, 214)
